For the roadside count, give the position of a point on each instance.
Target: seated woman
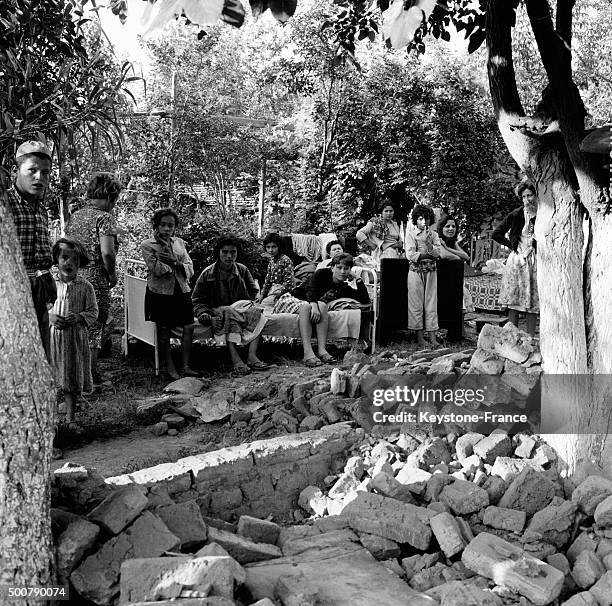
(223, 297)
(327, 289)
(382, 234)
(332, 249)
(448, 232)
(279, 278)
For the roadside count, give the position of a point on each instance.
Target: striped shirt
(32, 225)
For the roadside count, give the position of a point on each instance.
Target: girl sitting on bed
(279, 278)
(168, 297)
(330, 288)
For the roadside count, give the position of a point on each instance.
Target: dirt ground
(111, 438)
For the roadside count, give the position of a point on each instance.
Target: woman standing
(382, 234)
(168, 296)
(519, 289)
(96, 228)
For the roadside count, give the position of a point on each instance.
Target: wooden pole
(173, 135)
(262, 194)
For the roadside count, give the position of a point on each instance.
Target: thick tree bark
(574, 298)
(26, 426)
(559, 222)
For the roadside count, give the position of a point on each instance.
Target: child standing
(74, 310)
(422, 249)
(168, 295)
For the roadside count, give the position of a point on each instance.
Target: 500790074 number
(54, 592)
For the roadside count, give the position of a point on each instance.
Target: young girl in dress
(74, 310)
(422, 250)
(279, 278)
(168, 295)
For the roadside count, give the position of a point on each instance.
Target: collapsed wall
(397, 515)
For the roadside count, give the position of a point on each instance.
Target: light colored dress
(70, 354)
(519, 287)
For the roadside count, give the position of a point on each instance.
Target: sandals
(327, 359)
(242, 369)
(312, 362)
(259, 365)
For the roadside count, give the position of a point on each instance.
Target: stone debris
(508, 565)
(387, 515)
(241, 549)
(73, 543)
(187, 385)
(120, 508)
(260, 531)
(185, 521)
(153, 579)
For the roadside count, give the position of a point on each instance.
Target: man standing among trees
(27, 205)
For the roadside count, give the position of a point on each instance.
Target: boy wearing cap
(27, 204)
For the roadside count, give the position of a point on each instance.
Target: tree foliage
(58, 79)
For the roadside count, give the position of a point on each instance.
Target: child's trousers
(422, 300)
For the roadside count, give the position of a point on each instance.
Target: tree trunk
(26, 425)
(576, 335)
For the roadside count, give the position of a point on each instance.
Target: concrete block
(493, 446)
(414, 564)
(504, 519)
(380, 547)
(313, 500)
(214, 549)
(75, 541)
(315, 542)
(438, 574)
(588, 569)
(241, 549)
(185, 521)
(552, 524)
(591, 492)
(448, 534)
(459, 593)
(507, 468)
(120, 509)
(495, 487)
(603, 513)
(296, 590)
(385, 517)
(152, 579)
(602, 590)
(435, 484)
(96, 578)
(172, 475)
(260, 531)
(583, 541)
(464, 497)
(530, 491)
(524, 446)
(508, 565)
(464, 447)
(414, 478)
(388, 486)
(559, 561)
(584, 598)
(429, 453)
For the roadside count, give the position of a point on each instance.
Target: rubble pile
(389, 514)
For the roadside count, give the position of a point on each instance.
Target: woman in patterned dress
(73, 311)
(519, 288)
(279, 278)
(96, 228)
(382, 234)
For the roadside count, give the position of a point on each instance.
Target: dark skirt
(169, 310)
